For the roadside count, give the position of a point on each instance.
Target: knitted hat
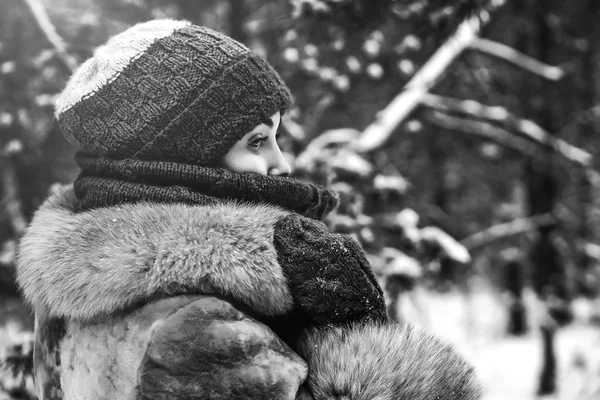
(168, 90)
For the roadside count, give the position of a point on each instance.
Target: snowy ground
(509, 366)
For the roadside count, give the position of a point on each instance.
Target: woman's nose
(279, 166)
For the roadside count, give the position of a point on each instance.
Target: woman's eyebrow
(268, 122)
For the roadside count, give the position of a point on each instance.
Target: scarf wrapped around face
(104, 182)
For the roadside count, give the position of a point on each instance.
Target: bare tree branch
(485, 130)
(315, 114)
(590, 115)
(376, 134)
(41, 17)
(525, 127)
(517, 58)
(511, 228)
(293, 128)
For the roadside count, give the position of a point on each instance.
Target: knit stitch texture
(106, 183)
(330, 279)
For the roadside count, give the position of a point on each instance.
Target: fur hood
(83, 266)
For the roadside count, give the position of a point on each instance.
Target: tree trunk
(585, 98)
(548, 275)
(515, 282)
(547, 383)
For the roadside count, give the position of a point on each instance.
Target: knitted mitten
(329, 277)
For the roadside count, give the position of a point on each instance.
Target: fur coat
(171, 301)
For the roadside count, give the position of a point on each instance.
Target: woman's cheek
(253, 163)
(261, 166)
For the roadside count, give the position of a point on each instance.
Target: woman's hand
(329, 277)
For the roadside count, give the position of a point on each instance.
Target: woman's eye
(257, 143)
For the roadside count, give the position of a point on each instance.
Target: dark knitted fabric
(108, 182)
(329, 277)
(186, 98)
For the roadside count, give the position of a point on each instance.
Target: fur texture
(385, 362)
(101, 361)
(211, 350)
(87, 265)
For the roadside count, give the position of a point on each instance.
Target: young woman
(184, 263)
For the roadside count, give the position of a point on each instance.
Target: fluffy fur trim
(384, 362)
(90, 264)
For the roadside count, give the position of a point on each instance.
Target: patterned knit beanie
(168, 90)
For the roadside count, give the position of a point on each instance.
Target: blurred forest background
(462, 136)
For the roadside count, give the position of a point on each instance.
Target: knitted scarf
(105, 182)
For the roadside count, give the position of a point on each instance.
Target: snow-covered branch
(376, 134)
(43, 20)
(485, 130)
(416, 91)
(525, 127)
(517, 58)
(507, 229)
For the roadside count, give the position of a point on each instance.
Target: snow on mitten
(330, 279)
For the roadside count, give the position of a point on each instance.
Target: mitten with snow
(330, 279)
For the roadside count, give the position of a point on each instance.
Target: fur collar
(87, 265)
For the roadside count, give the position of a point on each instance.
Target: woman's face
(258, 151)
